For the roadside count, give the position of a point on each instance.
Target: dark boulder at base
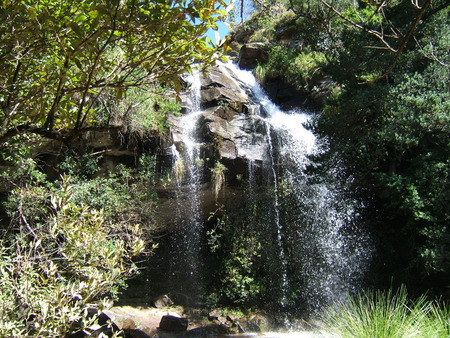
(173, 323)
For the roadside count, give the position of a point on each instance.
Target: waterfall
(316, 228)
(289, 236)
(277, 222)
(185, 273)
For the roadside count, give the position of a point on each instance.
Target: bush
(143, 110)
(59, 262)
(296, 68)
(125, 195)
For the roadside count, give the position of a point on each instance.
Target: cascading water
(185, 276)
(322, 253)
(277, 222)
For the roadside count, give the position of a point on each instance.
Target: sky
(222, 32)
(223, 28)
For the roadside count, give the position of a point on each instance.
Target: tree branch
(406, 38)
(50, 121)
(381, 36)
(80, 118)
(377, 34)
(63, 137)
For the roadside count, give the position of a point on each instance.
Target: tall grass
(437, 323)
(384, 314)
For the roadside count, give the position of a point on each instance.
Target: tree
(393, 136)
(58, 57)
(391, 24)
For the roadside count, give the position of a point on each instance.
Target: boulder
(256, 322)
(217, 315)
(224, 323)
(122, 320)
(223, 94)
(219, 77)
(173, 323)
(135, 322)
(162, 301)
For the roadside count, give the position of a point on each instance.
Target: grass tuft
(387, 314)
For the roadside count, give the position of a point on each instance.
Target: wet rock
(162, 301)
(239, 327)
(230, 129)
(216, 77)
(119, 320)
(238, 136)
(222, 94)
(256, 322)
(229, 119)
(235, 324)
(173, 323)
(216, 315)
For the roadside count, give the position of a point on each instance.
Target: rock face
(230, 131)
(229, 120)
(251, 54)
(236, 134)
(213, 145)
(134, 322)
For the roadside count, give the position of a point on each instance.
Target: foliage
(142, 110)
(296, 68)
(265, 23)
(84, 233)
(59, 58)
(218, 177)
(388, 314)
(394, 136)
(239, 283)
(241, 256)
(79, 169)
(59, 261)
(215, 234)
(237, 250)
(124, 195)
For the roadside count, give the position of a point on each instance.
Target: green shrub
(144, 109)
(295, 68)
(58, 263)
(126, 194)
(239, 284)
